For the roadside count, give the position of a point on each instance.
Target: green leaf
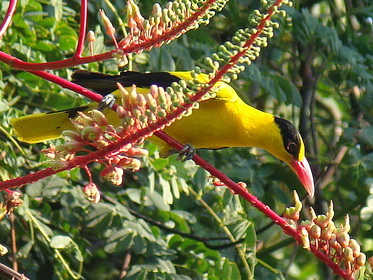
(160, 163)
(230, 270)
(99, 217)
(161, 60)
(166, 188)
(44, 45)
(119, 241)
(158, 201)
(139, 245)
(61, 242)
(3, 106)
(289, 92)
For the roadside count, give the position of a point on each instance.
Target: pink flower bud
(121, 112)
(137, 152)
(370, 260)
(141, 101)
(92, 193)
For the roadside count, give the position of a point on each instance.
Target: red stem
(82, 29)
(8, 17)
(69, 85)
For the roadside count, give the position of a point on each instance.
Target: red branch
(8, 17)
(77, 60)
(254, 201)
(82, 29)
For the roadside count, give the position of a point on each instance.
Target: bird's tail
(44, 126)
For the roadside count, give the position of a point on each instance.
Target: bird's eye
(292, 148)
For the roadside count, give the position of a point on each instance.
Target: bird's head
(287, 145)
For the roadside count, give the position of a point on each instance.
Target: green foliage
(167, 219)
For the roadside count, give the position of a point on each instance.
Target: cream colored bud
(355, 247)
(91, 133)
(361, 259)
(343, 239)
(113, 174)
(91, 36)
(348, 254)
(3, 250)
(110, 30)
(71, 146)
(315, 231)
(305, 238)
(321, 220)
(71, 134)
(135, 164)
(99, 118)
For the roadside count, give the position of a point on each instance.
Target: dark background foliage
(167, 221)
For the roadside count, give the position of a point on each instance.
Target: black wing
(105, 84)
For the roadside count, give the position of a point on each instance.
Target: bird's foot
(107, 102)
(186, 153)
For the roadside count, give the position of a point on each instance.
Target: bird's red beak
(304, 173)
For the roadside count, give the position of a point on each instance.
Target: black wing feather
(105, 84)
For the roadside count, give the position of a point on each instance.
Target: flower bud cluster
(138, 111)
(164, 20)
(321, 233)
(242, 41)
(95, 132)
(92, 133)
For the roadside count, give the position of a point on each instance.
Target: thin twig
(9, 273)
(126, 263)
(14, 241)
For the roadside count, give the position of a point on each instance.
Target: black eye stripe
(290, 136)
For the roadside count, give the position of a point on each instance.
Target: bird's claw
(107, 102)
(186, 153)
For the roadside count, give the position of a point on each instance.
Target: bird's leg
(107, 102)
(186, 153)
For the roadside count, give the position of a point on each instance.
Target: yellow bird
(221, 121)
